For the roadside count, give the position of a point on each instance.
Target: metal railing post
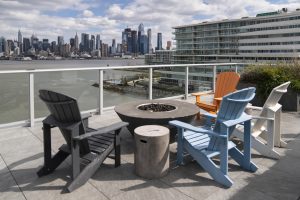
(186, 82)
(214, 77)
(31, 99)
(236, 68)
(100, 93)
(150, 82)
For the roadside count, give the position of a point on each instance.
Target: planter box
(290, 101)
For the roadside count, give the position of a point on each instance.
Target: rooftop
(21, 155)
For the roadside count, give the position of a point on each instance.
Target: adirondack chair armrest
(254, 107)
(266, 118)
(209, 115)
(243, 118)
(218, 99)
(203, 93)
(199, 94)
(86, 116)
(189, 127)
(102, 130)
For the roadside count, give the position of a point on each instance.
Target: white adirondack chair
(266, 130)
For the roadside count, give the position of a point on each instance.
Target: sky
(50, 18)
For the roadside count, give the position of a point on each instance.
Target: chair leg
(264, 149)
(240, 159)
(208, 165)
(88, 171)
(180, 146)
(117, 147)
(57, 159)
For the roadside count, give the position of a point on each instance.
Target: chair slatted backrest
(232, 107)
(226, 83)
(271, 101)
(65, 110)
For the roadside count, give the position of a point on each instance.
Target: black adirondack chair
(87, 147)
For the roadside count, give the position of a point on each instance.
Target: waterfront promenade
(21, 155)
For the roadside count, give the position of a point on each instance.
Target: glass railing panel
(80, 85)
(168, 82)
(14, 97)
(126, 85)
(200, 78)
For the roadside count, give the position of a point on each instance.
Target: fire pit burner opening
(156, 107)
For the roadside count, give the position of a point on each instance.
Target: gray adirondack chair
(87, 147)
(266, 130)
(204, 143)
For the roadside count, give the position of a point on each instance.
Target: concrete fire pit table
(156, 112)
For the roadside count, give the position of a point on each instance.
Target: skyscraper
(113, 46)
(159, 41)
(149, 34)
(85, 43)
(92, 43)
(127, 41)
(34, 41)
(76, 43)
(72, 44)
(26, 44)
(45, 44)
(140, 41)
(134, 42)
(98, 44)
(60, 40)
(20, 39)
(169, 44)
(2, 44)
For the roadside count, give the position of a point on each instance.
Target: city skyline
(48, 19)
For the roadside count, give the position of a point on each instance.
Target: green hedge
(266, 77)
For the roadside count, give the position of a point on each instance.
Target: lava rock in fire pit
(156, 107)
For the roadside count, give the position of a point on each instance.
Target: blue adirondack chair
(203, 143)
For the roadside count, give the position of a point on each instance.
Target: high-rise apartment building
(159, 41)
(268, 37)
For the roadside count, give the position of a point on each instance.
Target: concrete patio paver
(21, 151)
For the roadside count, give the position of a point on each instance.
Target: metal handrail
(100, 107)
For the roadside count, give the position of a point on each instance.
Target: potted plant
(267, 76)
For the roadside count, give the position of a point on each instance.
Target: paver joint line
(13, 176)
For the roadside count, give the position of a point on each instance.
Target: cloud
(55, 17)
(87, 13)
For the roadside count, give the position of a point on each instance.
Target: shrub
(268, 76)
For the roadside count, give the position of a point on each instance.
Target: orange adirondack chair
(226, 83)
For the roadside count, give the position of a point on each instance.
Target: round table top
(151, 131)
(183, 109)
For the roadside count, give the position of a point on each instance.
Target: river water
(14, 88)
